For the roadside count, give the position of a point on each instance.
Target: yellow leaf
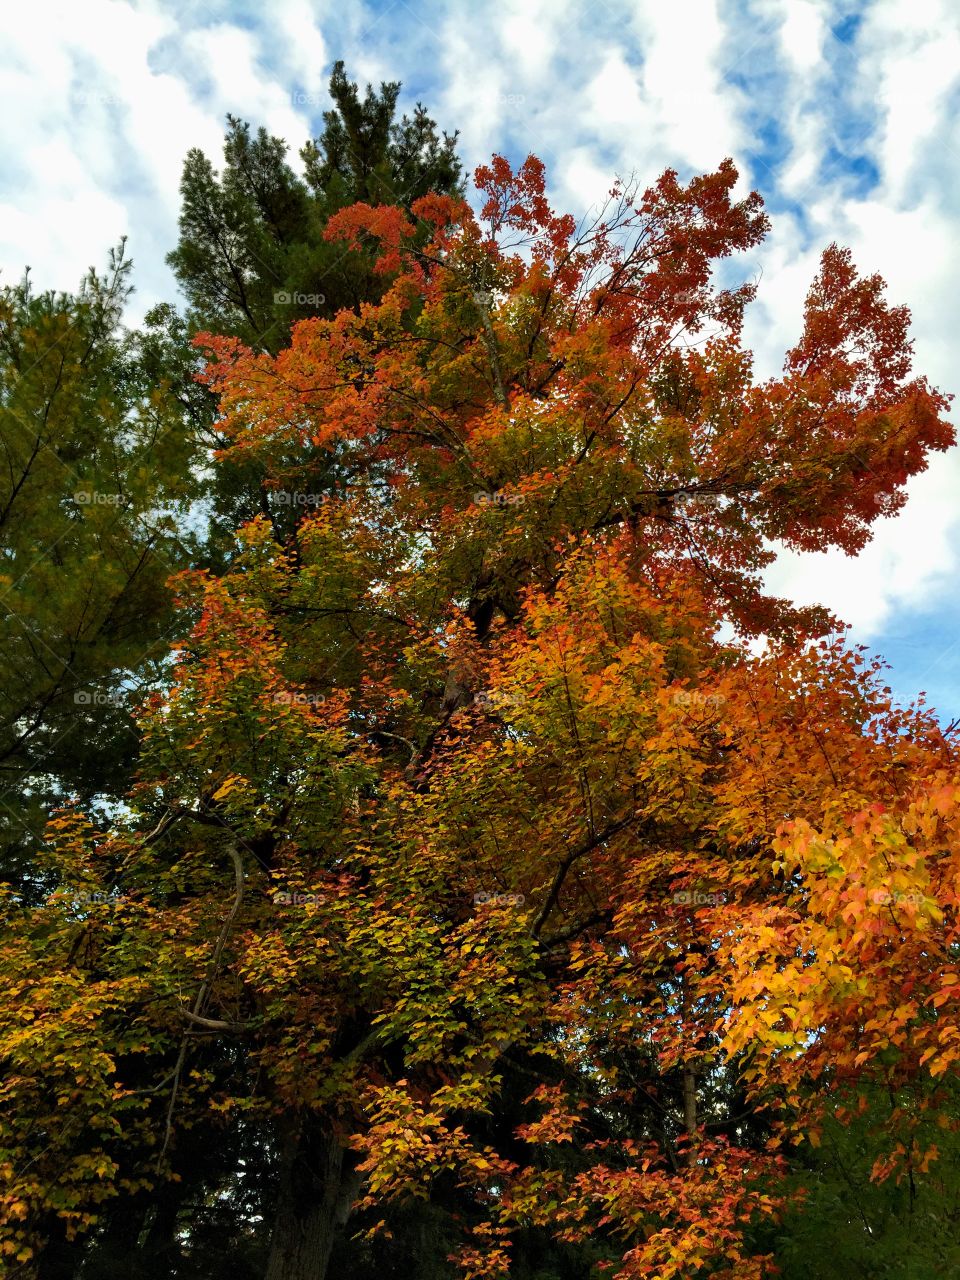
(224, 790)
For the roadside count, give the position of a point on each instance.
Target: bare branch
(214, 1024)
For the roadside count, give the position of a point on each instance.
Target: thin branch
(214, 1024)
(202, 995)
(500, 394)
(564, 866)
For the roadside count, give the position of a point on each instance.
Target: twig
(201, 999)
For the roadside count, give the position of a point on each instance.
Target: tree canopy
(510, 885)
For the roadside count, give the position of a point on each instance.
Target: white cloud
(913, 72)
(802, 34)
(305, 53)
(529, 34)
(688, 60)
(911, 561)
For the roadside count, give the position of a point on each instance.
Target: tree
(93, 478)
(849, 1222)
(253, 259)
(460, 834)
(118, 418)
(163, 421)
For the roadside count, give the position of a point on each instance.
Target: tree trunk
(689, 1077)
(317, 1187)
(689, 1100)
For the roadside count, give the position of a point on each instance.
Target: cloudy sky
(844, 115)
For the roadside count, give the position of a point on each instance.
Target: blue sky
(844, 115)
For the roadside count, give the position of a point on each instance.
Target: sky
(843, 115)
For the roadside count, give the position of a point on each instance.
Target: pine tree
(253, 259)
(93, 495)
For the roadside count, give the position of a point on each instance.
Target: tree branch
(195, 1014)
(564, 866)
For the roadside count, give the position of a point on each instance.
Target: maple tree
(479, 858)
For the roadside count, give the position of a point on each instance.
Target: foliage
(92, 502)
(482, 865)
(253, 259)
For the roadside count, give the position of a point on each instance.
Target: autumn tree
(253, 258)
(117, 418)
(481, 859)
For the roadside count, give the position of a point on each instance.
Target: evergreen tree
(93, 498)
(252, 258)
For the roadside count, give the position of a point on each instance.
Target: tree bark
(689, 1100)
(689, 1076)
(317, 1187)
